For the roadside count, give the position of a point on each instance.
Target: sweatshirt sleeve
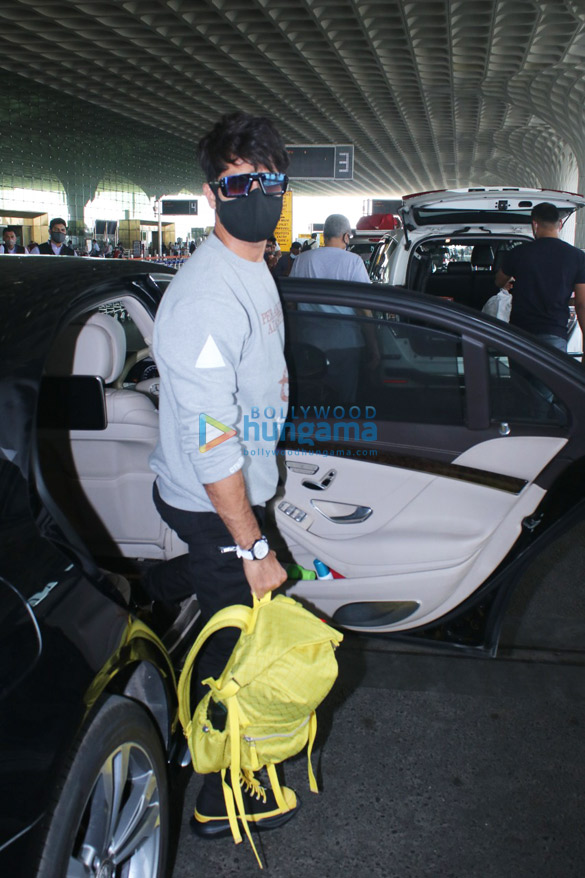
(198, 344)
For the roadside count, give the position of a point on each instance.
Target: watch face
(260, 548)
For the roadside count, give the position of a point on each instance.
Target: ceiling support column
(580, 219)
(78, 193)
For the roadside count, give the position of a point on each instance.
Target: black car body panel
(66, 637)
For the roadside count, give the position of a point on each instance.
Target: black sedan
(428, 453)
(88, 705)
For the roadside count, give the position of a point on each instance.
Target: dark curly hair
(239, 135)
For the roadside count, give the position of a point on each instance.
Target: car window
(461, 269)
(518, 397)
(405, 370)
(117, 310)
(364, 250)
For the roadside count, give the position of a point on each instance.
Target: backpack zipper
(251, 740)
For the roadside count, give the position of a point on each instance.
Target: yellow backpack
(280, 670)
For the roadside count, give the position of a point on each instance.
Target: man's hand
(264, 576)
(231, 504)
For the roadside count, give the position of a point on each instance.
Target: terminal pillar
(580, 219)
(78, 194)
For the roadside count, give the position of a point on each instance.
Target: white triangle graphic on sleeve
(210, 356)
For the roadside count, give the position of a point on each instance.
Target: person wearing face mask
(285, 263)
(219, 348)
(9, 246)
(56, 245)
(334, 260)
(272, 255)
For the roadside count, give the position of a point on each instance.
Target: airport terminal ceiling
(432, 93)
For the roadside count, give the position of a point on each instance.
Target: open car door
(426, 452)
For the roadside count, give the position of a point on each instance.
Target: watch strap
(249, 554)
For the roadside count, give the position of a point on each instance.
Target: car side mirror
(72, 402)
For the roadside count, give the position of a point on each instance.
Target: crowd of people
(58, 245)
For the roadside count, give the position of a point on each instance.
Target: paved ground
(442, 767)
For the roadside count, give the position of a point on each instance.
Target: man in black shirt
(545, 273)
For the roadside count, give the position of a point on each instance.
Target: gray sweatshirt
(218, 345)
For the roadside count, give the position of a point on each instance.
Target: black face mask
(58, 237)
(253, 218)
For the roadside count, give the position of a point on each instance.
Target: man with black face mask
(218, 345)
(56, 246)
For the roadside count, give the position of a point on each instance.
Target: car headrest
(459, 268)
(482, 256)
(96, 346)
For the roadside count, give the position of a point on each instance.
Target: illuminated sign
(179, 207)
(320, 162)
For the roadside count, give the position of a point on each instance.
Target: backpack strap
(312, 734)
(236, 616)
(234, 726)
(275, 784)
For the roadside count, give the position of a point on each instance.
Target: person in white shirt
(333, 260)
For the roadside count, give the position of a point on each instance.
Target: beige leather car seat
(102, 477)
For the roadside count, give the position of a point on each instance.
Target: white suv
(453, 242)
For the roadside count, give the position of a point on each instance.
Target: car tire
(111, 811)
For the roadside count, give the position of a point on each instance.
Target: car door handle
(323, 484)
(307, 469)
(342, 513)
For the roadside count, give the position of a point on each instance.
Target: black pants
(217, 579)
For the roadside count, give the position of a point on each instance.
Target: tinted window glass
(406, 371)
(517, 396)
(117, 310)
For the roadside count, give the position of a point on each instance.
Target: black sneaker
(210, 819)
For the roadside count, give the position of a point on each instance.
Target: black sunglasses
(239, 185)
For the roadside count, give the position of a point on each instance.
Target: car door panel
(416, 519)
(401, 500)
(523, 457)
(431, 593)
(414, 546)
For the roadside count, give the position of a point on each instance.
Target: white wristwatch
(256, 552)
